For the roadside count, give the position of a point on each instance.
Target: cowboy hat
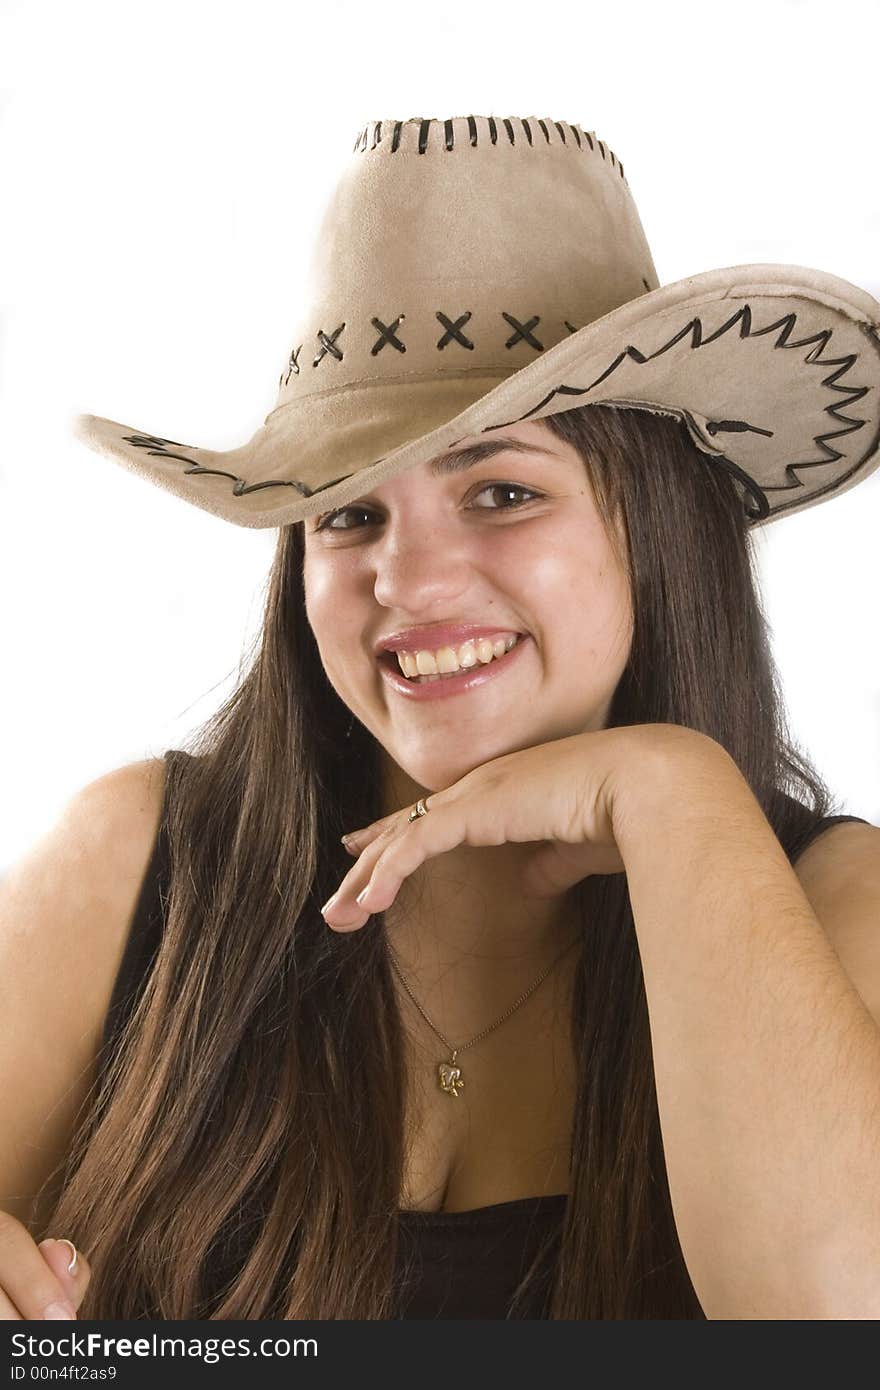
(474, 272)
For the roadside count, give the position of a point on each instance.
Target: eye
(324, 522)
(507, 487)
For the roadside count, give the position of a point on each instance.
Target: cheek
(323, 611)
(565, 567)
(328, 592)
(336, 620)
(314, 591)
(584, 603)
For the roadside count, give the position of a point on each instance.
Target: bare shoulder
(95, 858)
(97, 864)
(65, 911)
(73, 893)
(118, 815)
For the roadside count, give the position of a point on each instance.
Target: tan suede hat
(475, 272)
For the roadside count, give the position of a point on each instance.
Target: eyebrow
(459, 460)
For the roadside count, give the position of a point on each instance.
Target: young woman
(584, 1019)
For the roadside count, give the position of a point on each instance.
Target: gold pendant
(450, 1076)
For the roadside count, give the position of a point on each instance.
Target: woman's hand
(37, 1281)
(563, 796)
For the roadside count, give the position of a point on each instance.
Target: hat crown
(463, 248)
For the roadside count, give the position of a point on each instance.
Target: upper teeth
(445, 659)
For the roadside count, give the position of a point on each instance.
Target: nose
(420, 564)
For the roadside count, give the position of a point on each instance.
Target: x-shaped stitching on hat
(292, 366)
(523, 330)
(328, 345)
(388, 335)
(453, 330)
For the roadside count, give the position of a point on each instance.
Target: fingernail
(360, 897)
(61, 1240)
(59, 1310)
(346, 840)
(329, 903)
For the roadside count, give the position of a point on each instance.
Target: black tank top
(462, 1264)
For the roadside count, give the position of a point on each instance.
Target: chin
(434, 774)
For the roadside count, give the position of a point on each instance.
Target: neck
(468, 903)
(466, 937)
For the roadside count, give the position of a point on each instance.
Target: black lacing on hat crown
(328, 345)
(430, 124)
(389, 334)
(453, 330)
(523, 331)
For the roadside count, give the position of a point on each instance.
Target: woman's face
(513, 543)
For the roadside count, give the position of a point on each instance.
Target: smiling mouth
(391, 661)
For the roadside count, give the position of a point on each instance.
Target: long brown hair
(250, 1122)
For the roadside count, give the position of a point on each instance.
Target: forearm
(767, 1063)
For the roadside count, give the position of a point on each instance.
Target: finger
(63, 1259)
(357, 840)
(341, 911)
(69, 1265)
(437, 833)
(29, 1282)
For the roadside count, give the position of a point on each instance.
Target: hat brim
(774, 369)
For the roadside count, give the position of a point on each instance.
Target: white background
(162, 167)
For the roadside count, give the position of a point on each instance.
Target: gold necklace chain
(449, 1074)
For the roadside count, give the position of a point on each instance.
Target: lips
(431, 639)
